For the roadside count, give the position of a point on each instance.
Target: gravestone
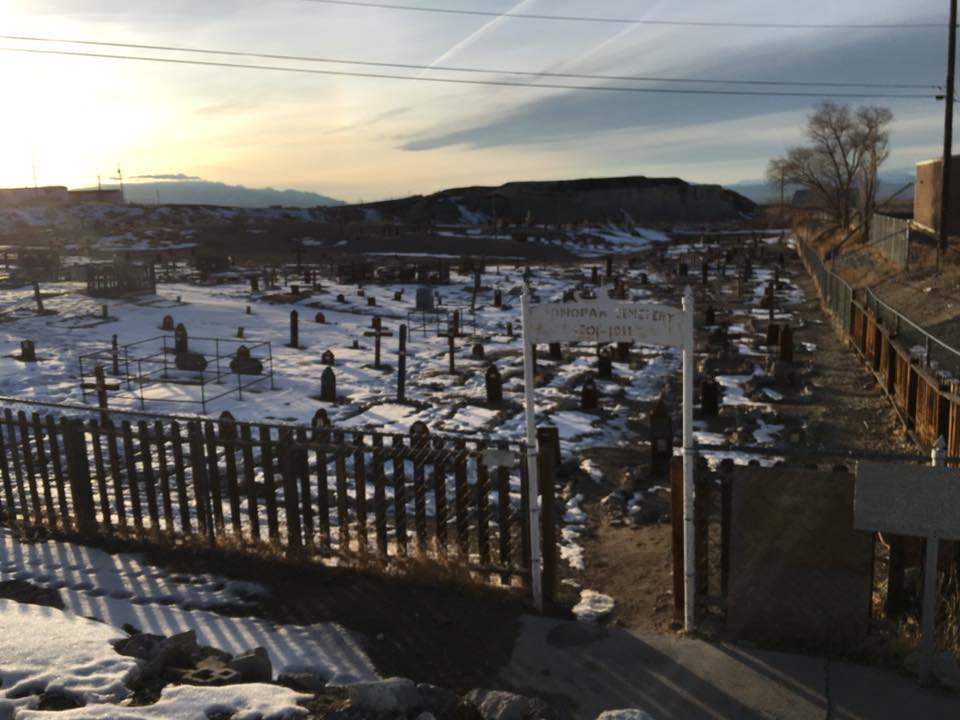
(327, 358)
(661, 439)
(371, 301)
(609, 266)
(424, 299)
(477, 351)
(682, 268)
(244, 364)
(710, 316)
(494, 384)
(398, 295)
(320, 421)
(402, 365)
(294, 289)
(28, 352)
(419, 433)
(510, 329)
(180, 340)
(786, 344)
(747, 268)
(604, 364)
(249, 310)
(167, 323)
(240, 332)
(341, 298)
(595, 275)
(37, 296)
(773, 335)
(497, 298)
(704, 272)
(190, 361)
(623, 352)
(589, 397)
(377, 333)
(361, 292)
(356, 345)
(709, 398)
(328, 386)
(320, 318)
(294, 329)
(740, 284)
(556, 351)
(644, 278)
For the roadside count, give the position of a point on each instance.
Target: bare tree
(841, 161)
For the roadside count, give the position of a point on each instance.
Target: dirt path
(831, 399)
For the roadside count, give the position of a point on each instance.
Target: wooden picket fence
(353, 495)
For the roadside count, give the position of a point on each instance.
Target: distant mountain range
(190, 190)
(762, 193)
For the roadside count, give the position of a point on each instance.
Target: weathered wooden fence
(331, 493)
(910, 365)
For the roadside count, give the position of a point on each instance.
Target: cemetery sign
(605, 320)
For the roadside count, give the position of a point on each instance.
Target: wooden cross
(376, 333)
(101, 387)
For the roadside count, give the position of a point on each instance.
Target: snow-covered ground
(44, 648)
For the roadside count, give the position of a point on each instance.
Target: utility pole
(947, 138)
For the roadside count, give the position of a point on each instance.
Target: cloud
(560, 117)
(174, 176)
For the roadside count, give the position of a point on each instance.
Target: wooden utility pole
(947, 138)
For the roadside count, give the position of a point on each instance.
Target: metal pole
(947, 138)
(930, 585)
(689, 467)
(532, 453)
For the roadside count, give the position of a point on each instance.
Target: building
(19, 197)
(113, 196)
(927, 191)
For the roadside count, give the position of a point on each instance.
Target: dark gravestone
(710, 316)
(240, 332)
(424, 299)
(644, 278)
(610, 266)
(328, 386)
(361, 292)
(623, 352)
(704, 272)
(398, 295)
(556, 351)
(249, 310)
(786, 344)
(747, 268)
(167, 323)
(327, 358)
(710, 398)
(604, 364)
(254, 284)
(497, 299)
(321, 421)
(191, 361)
(569, 295)
(595, 275)
(509, 329)
(661, 439)
(320, 318)
(243, 364)
(682, 269)
(372, 301)
(589, 397)
(341, 298)
(494, 386)
(419, 433)
(180, 340)
(356, 344)
(294, 289)
(478, 351)
(402, 365)
(773, 335)
(294, 329)
(28, 352)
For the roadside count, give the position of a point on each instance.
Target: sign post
(604, 320)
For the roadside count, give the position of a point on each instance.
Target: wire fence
(837, 294)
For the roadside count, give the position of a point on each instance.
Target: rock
(439, 701)
(59, 699)
(253, 666)
(499, 705)
(593, 606)
(630, 714)
(212, 662)
(540, 710)
(465, 711)
(385, 696)
(309, 681)
(142, 646)
(206, 678)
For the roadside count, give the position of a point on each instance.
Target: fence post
(676, 521)
(78, 470)
(291, 460)
(548, 441)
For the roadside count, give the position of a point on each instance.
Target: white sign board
(606, 321)
(911, 500)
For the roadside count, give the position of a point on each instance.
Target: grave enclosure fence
(353, 496)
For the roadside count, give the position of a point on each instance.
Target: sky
(74, 118)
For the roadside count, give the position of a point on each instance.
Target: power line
(464, 81)
(638, 21)
(452, 68)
